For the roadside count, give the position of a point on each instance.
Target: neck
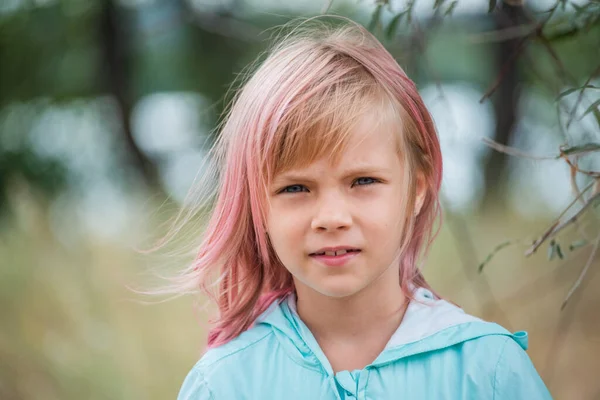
(372, 314)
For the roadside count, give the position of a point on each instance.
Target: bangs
(321, 125)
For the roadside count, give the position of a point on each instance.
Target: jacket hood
(429, 324)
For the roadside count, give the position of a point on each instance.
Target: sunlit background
(108, 108)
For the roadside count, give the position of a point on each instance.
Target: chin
(338, 290)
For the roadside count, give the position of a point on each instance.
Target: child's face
(355, 204)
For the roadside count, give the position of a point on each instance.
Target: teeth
(333, 253)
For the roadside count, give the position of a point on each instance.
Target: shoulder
(515, 375)
(195, 387)
(502, 361)
(245, 345)
(223, 363)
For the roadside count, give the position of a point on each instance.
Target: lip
(335, 249)
(336, 261)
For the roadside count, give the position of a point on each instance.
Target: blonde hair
(300, 105)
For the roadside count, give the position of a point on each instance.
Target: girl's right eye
(292, 189)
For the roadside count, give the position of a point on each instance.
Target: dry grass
(71, 329)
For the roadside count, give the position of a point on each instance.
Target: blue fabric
(279, 358)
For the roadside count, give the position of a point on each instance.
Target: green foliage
(493, 253)
(593, 107)
(577, 89)
(393, 25)
(451, 8)
(577, 244)
(376, 18)
(48, 176)
(584, 148)
(554, 249)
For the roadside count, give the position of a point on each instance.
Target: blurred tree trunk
(116, 77)
(505, 100)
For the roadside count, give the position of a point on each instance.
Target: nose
(331, 214)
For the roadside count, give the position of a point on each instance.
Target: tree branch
(506, 66)
(580, 96)
(326, 7)
(513, 151)
(583, 272)
(557, 226)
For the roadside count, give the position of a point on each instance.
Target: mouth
(332, 257)
(334, 253)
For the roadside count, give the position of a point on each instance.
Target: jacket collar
(428, 324)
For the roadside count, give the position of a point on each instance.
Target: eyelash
(374, 180)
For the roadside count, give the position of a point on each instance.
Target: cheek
(384, 213)
(287, 217)
(283, 232)
(383, 224)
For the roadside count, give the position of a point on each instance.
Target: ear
(421, 192)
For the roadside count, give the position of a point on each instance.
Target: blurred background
(108, 107)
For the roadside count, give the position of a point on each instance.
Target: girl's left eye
(293, 189)
(365, 181)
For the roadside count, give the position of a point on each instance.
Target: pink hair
(299, 105)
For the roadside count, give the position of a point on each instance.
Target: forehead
(371, 144)
(372, 133)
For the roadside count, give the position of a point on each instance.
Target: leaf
(376, 17)
(591, 108)
(581, 9)
(491, 255)
(559, 252)
(577, 244)
(392, 27)
(569, 91)
(438, 3)
(551, 250)
(492, 5)
(597, 116)
(577, 8)
(451, 8)
(584, 148)
(590, 22)
(563, 4)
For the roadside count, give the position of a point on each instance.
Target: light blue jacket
(438, 352)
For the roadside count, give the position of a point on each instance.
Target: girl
(329, 176)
